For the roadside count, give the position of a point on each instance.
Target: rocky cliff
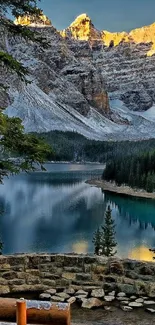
(97, 83)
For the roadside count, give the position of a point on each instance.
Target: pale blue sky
(112, 15)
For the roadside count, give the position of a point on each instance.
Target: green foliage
(11, 63)
(19, 7)
(108, 242)
(24, 32)
(97, 241)
(104, 237)
(32, 150)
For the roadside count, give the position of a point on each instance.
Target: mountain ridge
(101, 91)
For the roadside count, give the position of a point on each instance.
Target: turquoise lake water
(56, 211)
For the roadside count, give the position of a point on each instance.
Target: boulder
(51, 291)
(112, 293)
(141, 300)
(135, 304)
(128, 289)
(98, 293)
(122, 299)
(150, 310)
(121, 294)
(124, 302)
(92, 303)
(57, 299)
(71, 300)
(109, 298)
(45, 296)
(69, 291)
(126, 308)
(80, 298)
(62, 295)
(81, 293)
(149, 302)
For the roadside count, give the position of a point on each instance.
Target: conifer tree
(108, 242)
(97, 241)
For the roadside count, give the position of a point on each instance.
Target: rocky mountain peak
(33, 20)
(82, 29)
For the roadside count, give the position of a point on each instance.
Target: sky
(112, 15)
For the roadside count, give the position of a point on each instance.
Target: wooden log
(38, 312)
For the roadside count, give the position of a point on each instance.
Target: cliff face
(126, 60)
(100, 84)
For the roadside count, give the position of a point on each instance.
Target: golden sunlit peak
(79, 19)
(33, 20)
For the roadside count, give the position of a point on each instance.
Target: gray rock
(69, 291)
(62, 295)
(121, 294)
(45, 296)
(112, 293)
(98, 293)
(133, 297)
(124, 302)
(150, 310)
(109, 298)
(71, 300)
(126, 308)
(51, 291)
(141, 300)
(80, 298)
(149, 302)
(92, 303)
(128, 289)
(81, 293)
(135, 304)
(57, 299)
(122, 299)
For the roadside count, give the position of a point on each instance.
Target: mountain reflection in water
(57, 211)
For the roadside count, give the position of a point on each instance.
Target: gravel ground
(126, 190)
(113, 317)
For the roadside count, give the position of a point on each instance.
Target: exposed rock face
(74, 78)
(125, 59)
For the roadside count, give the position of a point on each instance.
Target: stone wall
(33, 272)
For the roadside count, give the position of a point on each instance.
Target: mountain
(97, 83)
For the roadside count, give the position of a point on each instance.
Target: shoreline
(123, 190)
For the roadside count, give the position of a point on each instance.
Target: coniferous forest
(127, 162)
(137, 171)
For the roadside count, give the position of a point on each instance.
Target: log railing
(34, 312)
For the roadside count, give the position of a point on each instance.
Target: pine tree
(97, 241)
(108, 242)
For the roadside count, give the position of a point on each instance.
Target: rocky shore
(98, 298)
(123, 190)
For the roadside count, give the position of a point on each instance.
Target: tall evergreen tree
(97, 241)
(108, 242)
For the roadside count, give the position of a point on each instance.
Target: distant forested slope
(71, 146)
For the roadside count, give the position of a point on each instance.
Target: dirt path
(114, 317)
(124, 190)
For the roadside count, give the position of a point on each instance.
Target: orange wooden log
(21, 312)
(38, 312)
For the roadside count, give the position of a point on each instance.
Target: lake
(56, 211)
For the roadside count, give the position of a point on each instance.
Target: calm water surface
(56, 211)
